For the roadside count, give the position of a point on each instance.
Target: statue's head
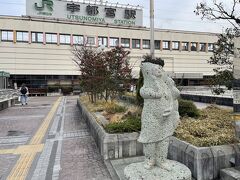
(151, 69)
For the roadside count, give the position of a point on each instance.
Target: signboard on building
(4, 74)
(86, 12)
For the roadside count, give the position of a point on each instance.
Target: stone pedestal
(173, 171)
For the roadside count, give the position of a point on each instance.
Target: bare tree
(223, 49)
(220, 11)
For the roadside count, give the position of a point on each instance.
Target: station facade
(37, 49)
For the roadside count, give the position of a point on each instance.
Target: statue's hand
(166, 113)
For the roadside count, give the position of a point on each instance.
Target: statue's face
(157, 71)
(151, 69)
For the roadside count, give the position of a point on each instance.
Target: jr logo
(48, 3)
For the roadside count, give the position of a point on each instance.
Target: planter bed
(8, 98)
(111, 146)
(205, 163)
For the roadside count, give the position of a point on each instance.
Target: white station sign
(86, 12)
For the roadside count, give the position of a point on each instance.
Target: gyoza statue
(159, 114)
(159, 119)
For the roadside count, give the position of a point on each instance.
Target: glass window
(193, 46)
(103, 41)
(175, 45)
(78, 40)
(136, 43)
(65, 39)
(7, 35)
(22, 36)
(125, 42)
(203, 47)
(37, 37)
(210, 47)
(185, 46)
(91, 41)
(157, 44)
(51, 38)
(166, 44)
(146, 44)
(114, 42)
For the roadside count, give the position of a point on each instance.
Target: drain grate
(15, 133)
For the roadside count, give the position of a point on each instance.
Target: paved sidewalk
(48, 140)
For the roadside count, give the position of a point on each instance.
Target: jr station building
(36, 48)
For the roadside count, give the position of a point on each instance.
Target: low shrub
(130, 124)
(188, 108)
(113, 107)
(218, 91)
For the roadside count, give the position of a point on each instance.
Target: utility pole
(152, 44)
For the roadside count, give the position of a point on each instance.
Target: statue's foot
(165, 166)
(149, 164)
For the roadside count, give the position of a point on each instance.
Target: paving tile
(70, 153)
(80, 157)
(6, 164)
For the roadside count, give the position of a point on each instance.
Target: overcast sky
(171, 14)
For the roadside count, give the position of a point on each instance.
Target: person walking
(24, 94)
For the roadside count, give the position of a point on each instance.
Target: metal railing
(8, 94)
(227, 94)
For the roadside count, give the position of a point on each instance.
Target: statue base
(173, 171)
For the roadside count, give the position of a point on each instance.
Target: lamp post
(152, 44)
(236, 94)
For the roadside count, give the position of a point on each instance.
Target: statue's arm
(176, 93)
(149, 93)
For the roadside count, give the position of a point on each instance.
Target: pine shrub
(188, 108)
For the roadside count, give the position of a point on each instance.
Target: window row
(175, 45)
(52, 38)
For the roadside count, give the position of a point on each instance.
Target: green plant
(218, 91)
(113, 107)
(130, 124)
(187, 108)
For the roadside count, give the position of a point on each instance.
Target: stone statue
(236, 53)
(158, 105)
(159, 119)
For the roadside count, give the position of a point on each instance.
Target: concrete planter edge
(111, 146)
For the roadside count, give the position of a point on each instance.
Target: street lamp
(152, 44)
